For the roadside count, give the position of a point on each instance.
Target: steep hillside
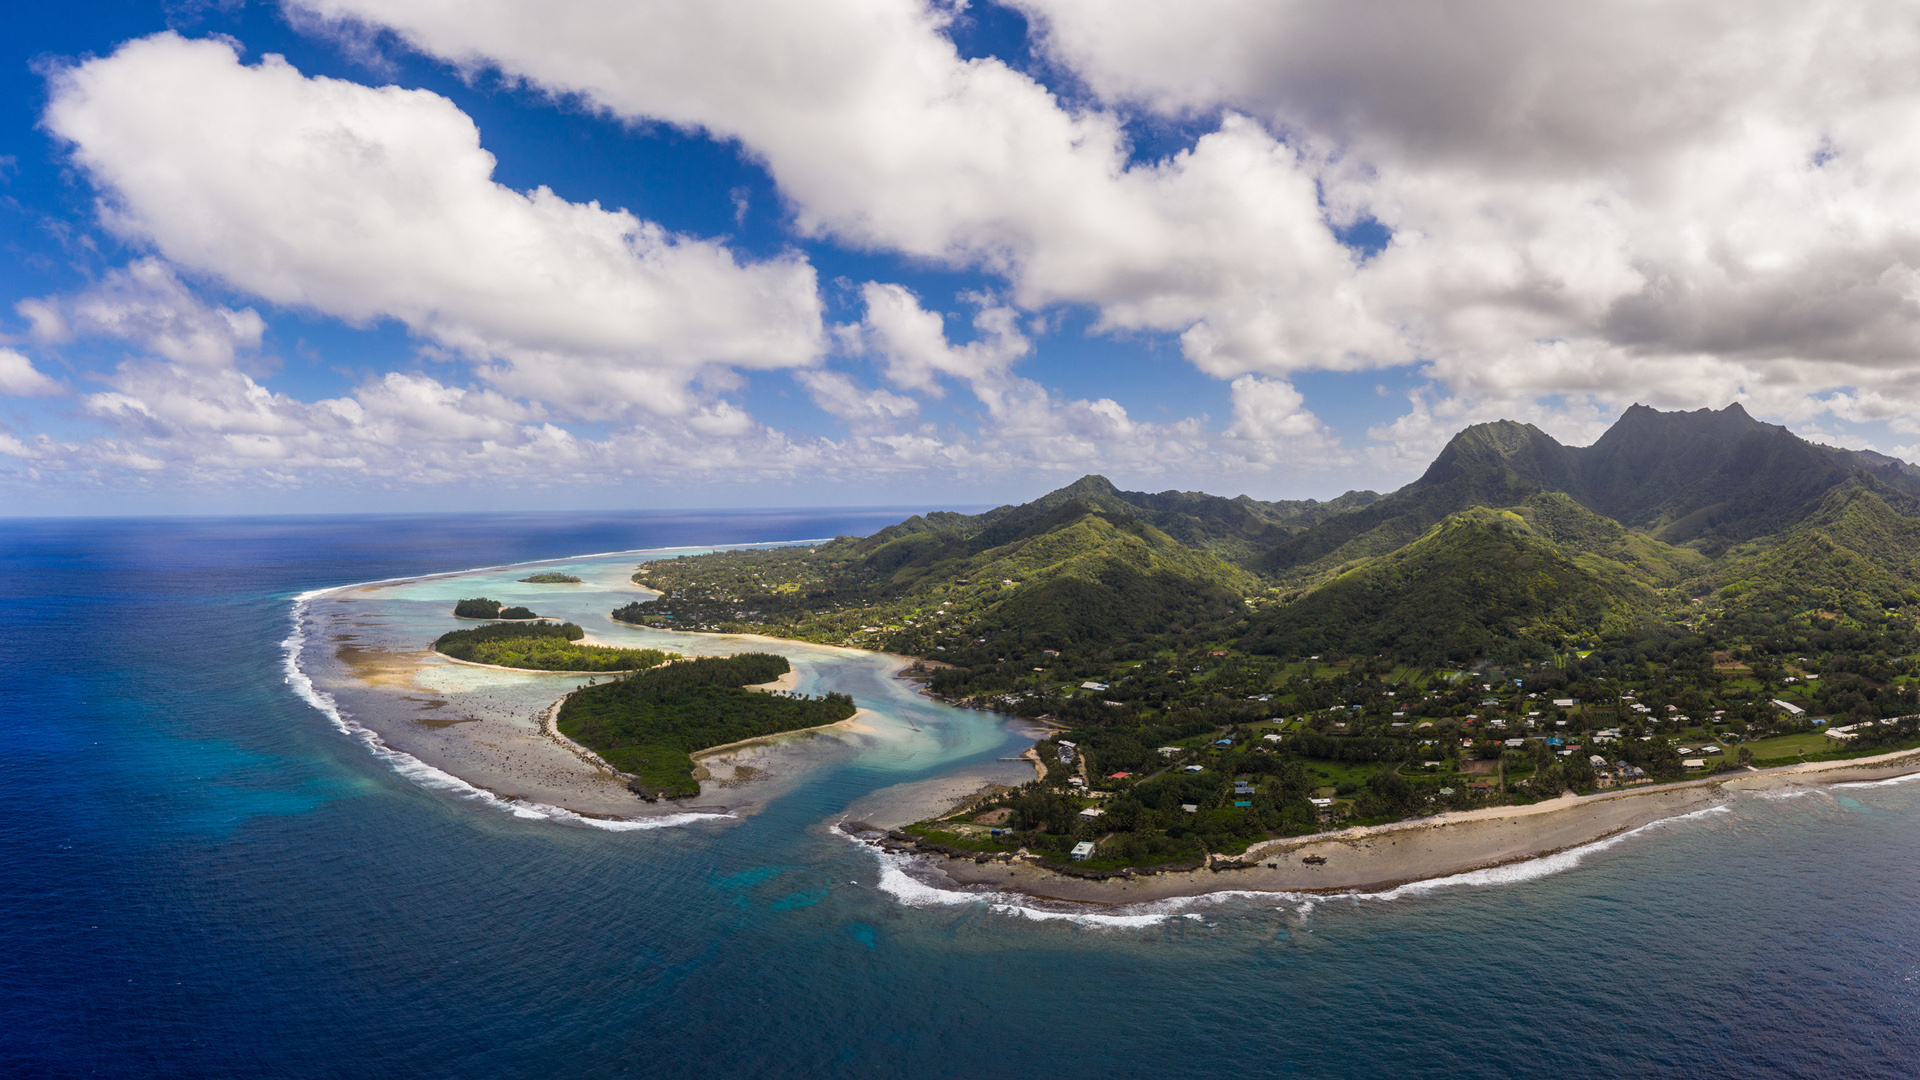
(1482, 582)
(1855, 556)
(1707, 479)
(1239, 529)
(1607, 548)
(1498, 464)
(1067, 575)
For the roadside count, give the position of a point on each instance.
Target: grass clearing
(1791, 746)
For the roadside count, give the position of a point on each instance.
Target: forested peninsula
(1693, 593)
(650, 724)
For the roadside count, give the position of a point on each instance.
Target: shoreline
(1378, 858)
(851, 723)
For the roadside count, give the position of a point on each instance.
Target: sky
(395, 255)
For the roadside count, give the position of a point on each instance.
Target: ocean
(203, 875)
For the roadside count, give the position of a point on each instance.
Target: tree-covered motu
(542, 647)
(647, 725)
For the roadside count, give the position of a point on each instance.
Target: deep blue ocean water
(201, 877)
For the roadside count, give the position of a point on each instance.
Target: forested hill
(1707, 479)
(1510, 545)
(1050, 577)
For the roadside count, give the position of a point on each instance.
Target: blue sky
(631, 254)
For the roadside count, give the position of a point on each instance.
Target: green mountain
(1606, 548)
(1479, 582)
(1510, 543)
(1498, 464)
(1708, 479)
(1055, 573)
(1238, 529)
(1855, 556)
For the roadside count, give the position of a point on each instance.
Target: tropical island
(1694, 594)
(482, 608)
(649, 725)
(542, 647)
(549, 577)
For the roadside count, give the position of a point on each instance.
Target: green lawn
(1334, 773)
(1781, 746)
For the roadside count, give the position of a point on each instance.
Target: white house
(1082, 851)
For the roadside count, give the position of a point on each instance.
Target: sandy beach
(1379, 857)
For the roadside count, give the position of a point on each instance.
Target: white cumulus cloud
(19, 378)
(368, 203)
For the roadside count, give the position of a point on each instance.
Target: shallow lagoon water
(365, 652)
(201, 876)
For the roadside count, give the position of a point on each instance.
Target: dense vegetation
(1674, 587)
(483, 608)
(543, 647)
(549, 577)
(648, 724)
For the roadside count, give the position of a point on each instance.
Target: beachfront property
(1067, 750)
(1082, 851)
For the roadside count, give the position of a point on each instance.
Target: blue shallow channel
(201, 876)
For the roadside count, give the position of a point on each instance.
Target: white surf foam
(1892, 781)
(1533, 869)
(419, 771)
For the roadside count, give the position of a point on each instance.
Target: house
(1093, 686)
(1271, 737)
(1092, 812)
(1241, 787)
(1223, 742)
(1169, 751)
(1074, 781)
(1694, 763)
(1515, 743)
(1082, 851)
(1789, 708)
(1321, 803)
(1596, 761)
(1565, 702)
(1711, 750)
(1196, 768)
(1119, 775)
(1191, 808)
